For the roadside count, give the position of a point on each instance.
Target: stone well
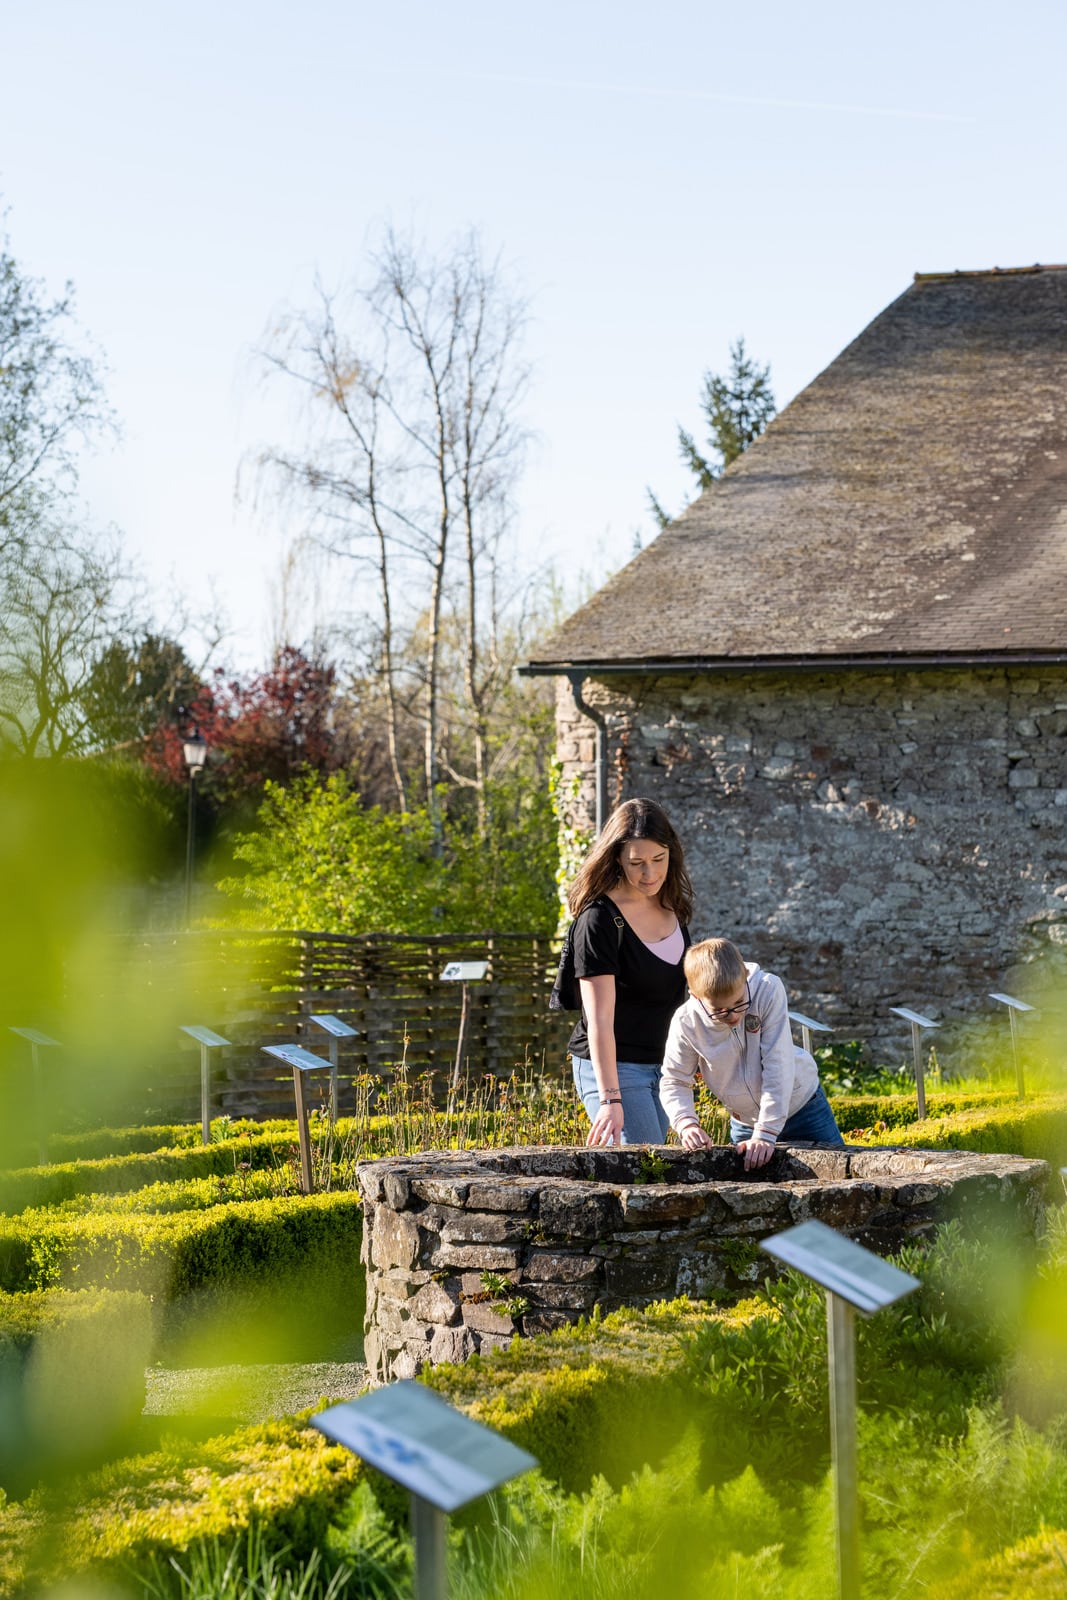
(465, 1249)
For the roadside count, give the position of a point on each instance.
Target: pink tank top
(670, 949)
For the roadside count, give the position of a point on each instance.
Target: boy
(734, 1031)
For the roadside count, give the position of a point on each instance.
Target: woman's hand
(757, 1152)
(607, 1126)
(693, 1137)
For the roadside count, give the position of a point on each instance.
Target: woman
(631, 902)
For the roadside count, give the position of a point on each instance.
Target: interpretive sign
(424, 1444)
(855, 1279)
(441, 1457)
(337, 1030)
(918, 1021)
(465, 972)
(333, 1025)
(301, 1061)
(808, 1026)
(1013, 1006)
(207, 1040)
(841, 1265)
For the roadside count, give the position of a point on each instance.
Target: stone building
(843, 669)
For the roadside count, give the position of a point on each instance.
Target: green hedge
(612, 1390)
(862, 1111)
(72, 1378)
(282, 1478)
(98, 1143)
(1036, 1128)
(50, 1186)
(180, 1155)
(252, 1280)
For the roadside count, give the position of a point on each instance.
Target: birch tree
(412, 440)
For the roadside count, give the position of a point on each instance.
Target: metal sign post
(207, 1041)
(1013, 1006)
(855, 1279)
(463, 972)
(301, 1061)
(808, 1026)
(336, 1030)
(36, 1040)
(443, 1458)
(917, 1021)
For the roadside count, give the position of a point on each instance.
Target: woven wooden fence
(259, 989)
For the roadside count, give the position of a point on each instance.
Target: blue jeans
(644, 1120)
(814, 1121)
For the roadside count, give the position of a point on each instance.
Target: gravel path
(250, 1394)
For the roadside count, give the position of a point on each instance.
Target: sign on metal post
(918, 1021)
(301, 1061)
(207, 1041)
(337, 1030)
(36, 1039)
(1013, 1006)
(855, 1279)
(464, 972)
(808, 1026)
(443, 1459)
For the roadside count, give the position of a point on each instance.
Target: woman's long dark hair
(600, 872)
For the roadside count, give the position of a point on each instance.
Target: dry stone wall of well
(877, 838)
(465, 1249)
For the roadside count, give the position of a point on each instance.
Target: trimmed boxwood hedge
(259, 1280)
(50, 1186)
(861, 1111)
(282, 1478)
(171, 1153)
(1036, 1128)
(172, 1253)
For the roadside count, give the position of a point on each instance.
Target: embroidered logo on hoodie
(752, 1023)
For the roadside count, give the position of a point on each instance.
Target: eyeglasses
(724, 1013)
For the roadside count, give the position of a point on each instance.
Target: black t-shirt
(648, 990)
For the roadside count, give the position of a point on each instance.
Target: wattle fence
(260, 988)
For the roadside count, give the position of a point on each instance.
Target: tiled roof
(909, 504)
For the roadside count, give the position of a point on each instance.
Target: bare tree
(50, 397)
(413, 388)
(62, 603)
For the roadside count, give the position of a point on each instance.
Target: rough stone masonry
(465, 1249)
(878, 838)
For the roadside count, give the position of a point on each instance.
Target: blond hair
(714, 968)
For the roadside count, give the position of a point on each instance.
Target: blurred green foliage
(684, 1445)
(72, 1380)
(321, 859)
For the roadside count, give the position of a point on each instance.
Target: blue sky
(660, 180)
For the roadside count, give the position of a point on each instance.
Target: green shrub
(1036, 1128)
(258, 1280)
(859, 1112)
(111, 1175)
(610, 1390)
(97, 1143)
(72, 1378)
(282, 1478)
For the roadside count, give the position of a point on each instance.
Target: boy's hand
(693, 1137)
(757, 1152)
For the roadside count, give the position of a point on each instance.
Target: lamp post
(194, 749)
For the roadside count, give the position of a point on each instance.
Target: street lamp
(194, 749)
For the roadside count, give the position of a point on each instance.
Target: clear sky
(661, 179)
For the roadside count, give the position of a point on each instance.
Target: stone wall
(876, 838)
(465, 1249)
